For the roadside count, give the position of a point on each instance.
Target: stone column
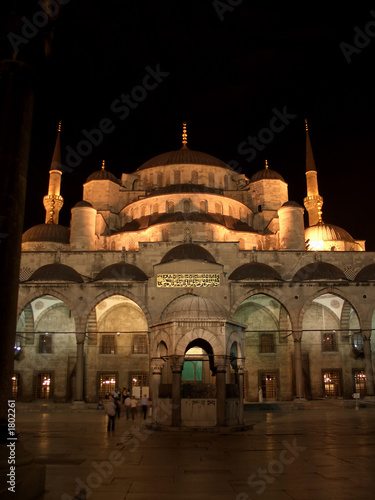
(240, 369)
(156, 366)
(177, 363)
(221, 370)
(78, 392)
(366, 335)
(297, 338)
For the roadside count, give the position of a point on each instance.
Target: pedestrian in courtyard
(127, 405)
(144, 404)
(133, 406)
(111, 412)
(260, 394)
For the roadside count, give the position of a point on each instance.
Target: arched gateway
(197, 342)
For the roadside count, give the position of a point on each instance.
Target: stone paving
(319, 454)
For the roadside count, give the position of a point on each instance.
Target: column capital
(80, 337)
(221, 364)
(366, 334)
(157, 365)
(177, 363)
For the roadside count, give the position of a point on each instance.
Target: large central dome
(183, 156)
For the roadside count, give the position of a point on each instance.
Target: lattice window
(15, 385)
(45, 344)
(107, 383)
(360, 382)
(268, 383)
(43, 386)
(140, 344)
(108, 345)
(332, 385)
(267, 343)
(329, 341)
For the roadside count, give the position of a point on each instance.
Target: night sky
(224, 68)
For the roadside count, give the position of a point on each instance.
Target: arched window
(194, 177)
(155, 208)
(176, 177)
(170, 206)
(186, 206)
(218, 208)
(203, 206)
(211, 179)
(143, 210)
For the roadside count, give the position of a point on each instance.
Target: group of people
(124, 399)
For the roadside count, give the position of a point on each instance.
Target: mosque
(195, 285)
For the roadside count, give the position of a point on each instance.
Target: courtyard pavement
(290, 454)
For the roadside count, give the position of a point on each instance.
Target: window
(218, 208)
(268, 383)
(15, 385)
(139, 344)
(176, 177)
(45, 344)
(139, 381)
(108, 344)
(267, 343)
(332, 386)
(203, 206)
(170, 207)
(155, 208)
(194, 177)
(43, 386)
(329, 341)
(360, 382)
(358, 346)
(192, 371)
(186, 206)
(107, 383)
(211, 180)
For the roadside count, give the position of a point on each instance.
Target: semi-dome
(255, 271)
(327, 232)
(366, 274)
(319, 271)
(102, 175)
(56, 272)
(266, 174)
(291, 203)
(121, 272)
(47, 232)
(192, 307)
(188, 251)
(184, 156)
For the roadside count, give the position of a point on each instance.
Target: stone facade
(196, 285)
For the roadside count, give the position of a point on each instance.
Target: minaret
(53, 202)
(313, 201)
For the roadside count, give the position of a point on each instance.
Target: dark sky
(229, 69)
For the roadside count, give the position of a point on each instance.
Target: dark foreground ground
(326, 453)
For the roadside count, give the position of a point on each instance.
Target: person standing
(144, 404)
(127, 405)
(111, 412)
(133, 406)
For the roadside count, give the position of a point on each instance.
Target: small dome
(192, 307)
(47, 232)
(188, 251)
(255, 271)
(121, 272)
(56, 272)
(102, 175)
(266, 174)
(327, 232)
(83, 203)
(291, 204)
(366, 274)
(183, 156)
(319, 271)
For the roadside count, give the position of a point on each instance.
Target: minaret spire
(53, 201)
(184, 136)
(313, 201)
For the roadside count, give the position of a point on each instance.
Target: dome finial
(266, 164)
(306, 125)
(184, 136)
(103, 164)
(59, 127)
